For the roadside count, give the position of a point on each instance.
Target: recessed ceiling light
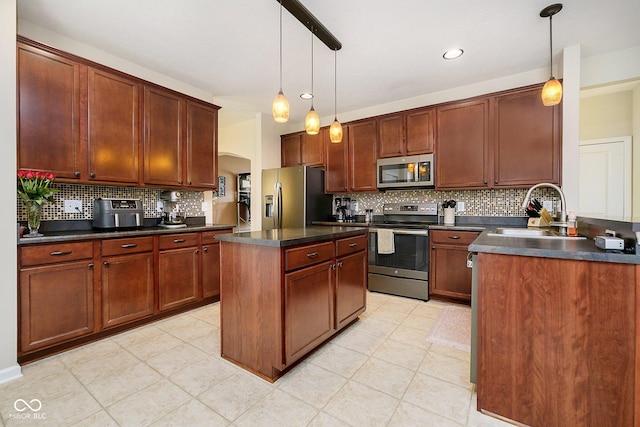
(453, 53)
(306, 95)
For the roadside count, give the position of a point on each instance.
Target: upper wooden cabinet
(301, 148)
(363, 143)
(87, 123)
(336, 158)
(290, 154)
(49, 113)
(406, 133)
(113, 132)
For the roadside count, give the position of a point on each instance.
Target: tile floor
(379, 372)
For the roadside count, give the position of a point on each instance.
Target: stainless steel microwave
(406, 172)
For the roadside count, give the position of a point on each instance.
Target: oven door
(404, 272)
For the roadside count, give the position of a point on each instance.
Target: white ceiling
(392, 50)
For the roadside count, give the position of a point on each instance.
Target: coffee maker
(172, 216)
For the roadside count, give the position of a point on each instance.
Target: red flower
(51, 176)
(30, 175)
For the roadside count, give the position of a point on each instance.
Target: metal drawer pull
(58, 253)
(340, 264)
(353, 245)
(312, 254)
(129, 245)
(178, 240)
(454, 237)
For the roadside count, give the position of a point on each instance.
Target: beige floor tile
(384, 376)
(210, 344)
(408, 415)
(450, 351)
(278, 409)
(92, 351)
(192, 414)
(311, 384)
(410, 336)
(176, 359)
(122, 384)
(391, 316)
(374, 327)
(338, 359)
(148, 405)
(325, 420)
(400, 354)
(361, 342)
(209, 313)
(103, 366)
(447, 368)
(440, 397)
(200, 376)
(359, 405)
(190, 330)
(42, 368)
(376, 298)
(406, 305)
(44, 388)
(134, 336)
(418, 322)
(430, 309)
(150, 347)
(236, 394)
(101, 419)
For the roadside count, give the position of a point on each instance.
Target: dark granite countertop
(291, 236)
(73, 235)
(584, 249)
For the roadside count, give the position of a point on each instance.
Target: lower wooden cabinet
(449, 276)
(210, 272)
(178, 263)
(351, 272)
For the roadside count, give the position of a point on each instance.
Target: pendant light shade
(280, 107)
(312, 121)
(552, 90)
(335, 130)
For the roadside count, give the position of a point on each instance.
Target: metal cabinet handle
(92, 175)
(178, 240)
(332, 267)
(128, 245)
(454, 237)
(60, 253)
(76, 174)
(189, 182)
(353, 245)
(197, 251)
(106, 264)
(340, 264)
(205, 250)
(90, 266)
(312, 255)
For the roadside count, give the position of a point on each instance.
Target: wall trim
(11, 373)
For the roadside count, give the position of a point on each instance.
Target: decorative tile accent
(191, 201)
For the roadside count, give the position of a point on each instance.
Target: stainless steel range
(399, 250)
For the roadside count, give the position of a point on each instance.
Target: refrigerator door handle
(277, 200)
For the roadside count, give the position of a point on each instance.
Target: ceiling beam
(307, 19)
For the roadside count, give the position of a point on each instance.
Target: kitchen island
(557, 332)
(285, 292)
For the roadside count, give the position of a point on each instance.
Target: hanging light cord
(551, 43)
(335, 85)
(280, 45)
(312, 94)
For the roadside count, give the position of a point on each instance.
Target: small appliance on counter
(117, 213)
(172, 216)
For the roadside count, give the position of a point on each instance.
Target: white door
(605, 178)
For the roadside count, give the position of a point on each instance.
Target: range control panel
(410, 209)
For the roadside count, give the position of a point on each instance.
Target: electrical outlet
(548, 205)
(73, 206)
(205, 206)
(159, 205)
(460, 207)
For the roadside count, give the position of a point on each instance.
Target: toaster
(117, 213)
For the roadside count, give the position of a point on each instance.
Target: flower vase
(34, 210)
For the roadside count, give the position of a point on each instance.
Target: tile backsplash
(497, 202)
(191, 201)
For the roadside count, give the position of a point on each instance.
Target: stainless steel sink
(531, 233)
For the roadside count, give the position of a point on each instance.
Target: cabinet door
(462, 145)
(527, 147)
(127, 288)
(336, 164)
(419, 139)
(312, 148)
(308, 309)
(290, 150)
(363, 142)
(163, 128)
(49, 114)
(178, 277)
(351, 285)
(202, 146)
(448, 273)
(391, 136)
(56, 304)
(211, 270)
(113, 128)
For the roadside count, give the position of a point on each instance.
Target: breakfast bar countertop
(291, 236)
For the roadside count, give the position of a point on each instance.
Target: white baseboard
(11, 373)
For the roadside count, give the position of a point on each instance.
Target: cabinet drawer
(127, 246)
(209, 237)
(308, 255)
(60, 252)
(350, 245)
(171, 241)
(453, 237)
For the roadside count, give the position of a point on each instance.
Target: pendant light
(312, 121)
(335, 130)
(280, 107)
(552, 90)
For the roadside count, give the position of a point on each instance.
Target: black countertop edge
(73, 235)
(583, 250)
(291, 236)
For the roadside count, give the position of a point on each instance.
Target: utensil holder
(449, 216)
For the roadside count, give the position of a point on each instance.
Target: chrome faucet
(562, 223)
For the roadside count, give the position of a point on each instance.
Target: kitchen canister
(449, 216)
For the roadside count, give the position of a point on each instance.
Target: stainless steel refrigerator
(294, 197)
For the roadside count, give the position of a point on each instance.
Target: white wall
(9, 369)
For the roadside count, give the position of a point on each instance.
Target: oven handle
(396, 231)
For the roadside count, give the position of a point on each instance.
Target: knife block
(537, 222)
